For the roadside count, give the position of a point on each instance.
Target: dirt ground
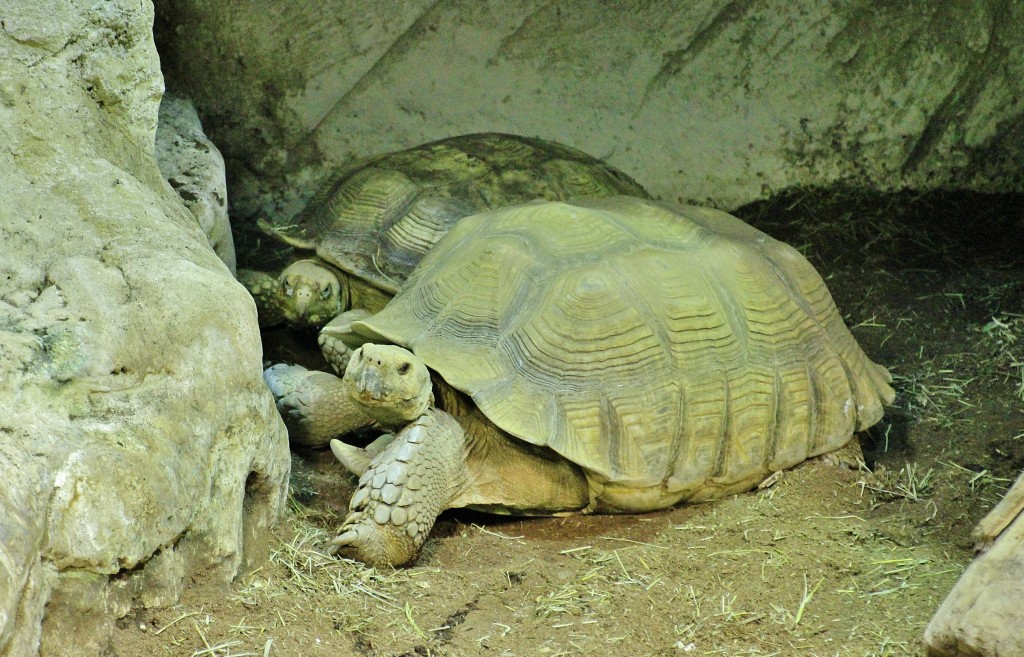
(826, 561)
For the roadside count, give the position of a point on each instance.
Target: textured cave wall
(708, 101)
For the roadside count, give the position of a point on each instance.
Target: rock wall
(138, 443)
(194, 167)
(719, 101)
(982, 615)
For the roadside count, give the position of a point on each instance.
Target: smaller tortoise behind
(610, 355)
(368, 227)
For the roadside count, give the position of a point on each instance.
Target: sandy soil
(826, 561)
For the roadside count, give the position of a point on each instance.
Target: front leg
(264, 289)
(402, 492)
(316, 406)
(338, 341)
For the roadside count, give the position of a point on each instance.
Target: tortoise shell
(678, 350)
(377, 220)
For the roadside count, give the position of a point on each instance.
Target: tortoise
(366, 229)
(611, 355)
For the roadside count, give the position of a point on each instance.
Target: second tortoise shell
(377, 220)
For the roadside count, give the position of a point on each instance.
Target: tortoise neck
(450, 400)
(363, 295)
(505, 474)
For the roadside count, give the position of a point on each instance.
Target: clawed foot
(374, 544)
(385, 526)
(336, 339)
(292, 396)
(406, 484)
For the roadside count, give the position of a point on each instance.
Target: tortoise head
(311, 293)
(390, 383)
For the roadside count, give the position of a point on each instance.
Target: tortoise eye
(326, 292)
(404, 368)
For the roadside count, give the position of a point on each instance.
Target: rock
(983, 615)
(714, 102)
(138, 444)
(194, 167)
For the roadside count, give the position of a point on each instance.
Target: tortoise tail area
(869, 382)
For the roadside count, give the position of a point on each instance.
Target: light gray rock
(714, 101)
(982, 616)
(194, 167)
(138, 443)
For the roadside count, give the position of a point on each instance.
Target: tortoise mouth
(390, 411)
(368, 397)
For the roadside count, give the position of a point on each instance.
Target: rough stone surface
(194, 167)
(982, 616)
(137, 441)
(713, 101)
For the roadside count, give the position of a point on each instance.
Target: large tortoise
(366, 229)
(612, 355)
